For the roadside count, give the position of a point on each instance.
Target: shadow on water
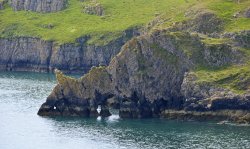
(153, 133)
(22, 93)
(33, 75)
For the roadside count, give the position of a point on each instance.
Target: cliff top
(71, 23)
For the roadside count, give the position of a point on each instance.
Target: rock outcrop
(242, 38)
(129, 78)
(2, 3)
(204, 22)
(150, 76)
(22, 54)
(44, 6)
(81, 97)
(34, 54)
(204, 100)
(247, 13)
(94, 9)
(206, 96)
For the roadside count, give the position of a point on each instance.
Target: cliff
(158, 75)
(38, 5)
(190, 62)
(2, 3)
(34, 54)
(94, 8)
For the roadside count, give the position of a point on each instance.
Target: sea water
(22, 93)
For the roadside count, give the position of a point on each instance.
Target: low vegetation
(71, 23)
(235, 78)
(67, 25)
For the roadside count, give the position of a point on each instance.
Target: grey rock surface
(2, 2)
(94, 9)
(149, 76)
(34, 54)
(44, 6)
(247, 13)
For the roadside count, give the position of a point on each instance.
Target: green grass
(215, 41)
(235, 78)
(226, 9)
(71, 23)
(67, 25)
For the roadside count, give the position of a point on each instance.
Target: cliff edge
(162, 74)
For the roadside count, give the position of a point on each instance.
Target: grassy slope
(235, 78)
(70, 23)
(225, 9)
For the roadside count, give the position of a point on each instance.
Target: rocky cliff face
(242, 38)
(129, 79)
(34, 54)
(247, 13)
(205, 22)
(22, 54)
(79, 97)
(205, 100)
(94, 9)
(208, 97)
(150, 76)
(2, 2)
(38, 5)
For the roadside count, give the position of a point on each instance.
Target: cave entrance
(103, 111)
(106, 103)
(108, 107)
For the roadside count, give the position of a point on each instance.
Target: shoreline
(236, 116)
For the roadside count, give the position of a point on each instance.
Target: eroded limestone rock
(2, 3)
(206, 96)
(204, 22)
(34, 54)
(247, 13)
(149, 75)
(39, 5)
(94, 8)
(79, 97)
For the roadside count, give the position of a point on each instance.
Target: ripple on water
(21, 94)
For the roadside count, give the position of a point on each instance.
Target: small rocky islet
(195, 68)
